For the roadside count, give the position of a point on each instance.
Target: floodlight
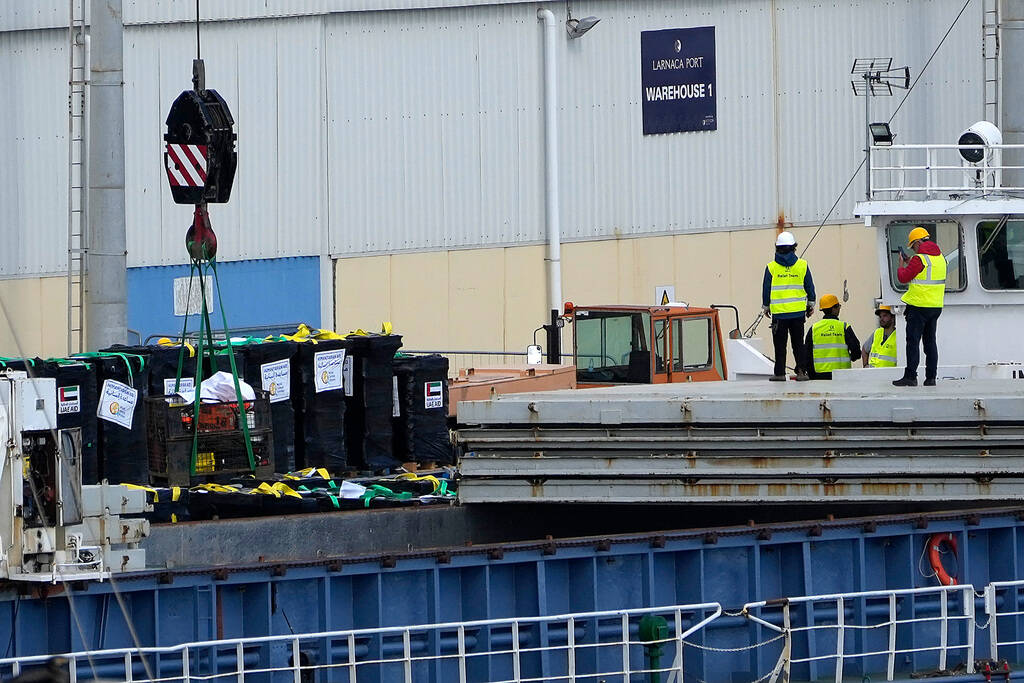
(577, 27)
(881, 134)
(981, 133)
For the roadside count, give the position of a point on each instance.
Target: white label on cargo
(347, 374)
(396, 410)
(186, 297)
(117, 403)
(277, 380)
(327, 370)
(69, 399)
(186, 384)
(433, 395)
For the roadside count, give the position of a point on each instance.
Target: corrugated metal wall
(422, 129)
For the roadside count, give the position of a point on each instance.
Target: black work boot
(929, 381)
(905, 382)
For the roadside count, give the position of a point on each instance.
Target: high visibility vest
(828, 337)
(928, 287)
(883, 352)
(787, 292)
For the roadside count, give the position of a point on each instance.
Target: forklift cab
(646, 345)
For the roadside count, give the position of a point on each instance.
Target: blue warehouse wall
(255, 293)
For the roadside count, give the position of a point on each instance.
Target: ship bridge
(970, 197)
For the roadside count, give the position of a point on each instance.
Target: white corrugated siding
(422, 129)
(33, 153)
(269, 74)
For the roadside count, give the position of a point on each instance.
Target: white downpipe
(553, 260)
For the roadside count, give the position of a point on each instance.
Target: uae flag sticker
(433, 394)
(68, 400)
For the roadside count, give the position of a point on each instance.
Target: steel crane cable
(896, 111)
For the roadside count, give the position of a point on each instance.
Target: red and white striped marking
(186, 165)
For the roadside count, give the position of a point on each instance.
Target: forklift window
(1001, 254)
(691, 343)
(613, 346)
(946, 234)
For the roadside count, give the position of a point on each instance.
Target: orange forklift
(646, 344)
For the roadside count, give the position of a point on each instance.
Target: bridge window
(691, 343)
(613, 346)
(1001, 254)
(946, 234)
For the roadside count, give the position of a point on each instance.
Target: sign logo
(679, 46)
(68, 400)
(273, 388)
(114, 408)
(433, 394)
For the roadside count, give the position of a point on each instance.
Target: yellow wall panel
(363, 291)
(590, 272)
(419, 298)
(526, 298)
(701, 268)
(477, 298)
(35, 323)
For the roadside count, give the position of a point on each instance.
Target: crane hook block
(200, 156)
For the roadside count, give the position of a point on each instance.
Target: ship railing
(587, 646)
(1004, 608)
(904, 172)
(870, 625)
(467, 358)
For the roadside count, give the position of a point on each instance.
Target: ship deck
(734, 443)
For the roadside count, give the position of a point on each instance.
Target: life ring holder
(935, 542)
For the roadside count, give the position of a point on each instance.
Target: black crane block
(200, 156)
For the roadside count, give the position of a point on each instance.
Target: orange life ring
(935, 541)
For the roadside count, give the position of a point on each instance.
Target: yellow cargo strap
(164, 341)
(216, 488)
(385, 327)
(277, 490)
(412, 476)
(309, 472)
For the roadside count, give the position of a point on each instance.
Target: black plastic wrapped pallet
(163, 364)
(123, 451)
(76, 404)
(421, 428)
(320, 423)
(271, 366)
(370, 407)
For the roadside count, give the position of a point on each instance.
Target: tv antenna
(875, 77)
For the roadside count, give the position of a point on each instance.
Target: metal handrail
(786, 660)
(930, 169)
(242, 647)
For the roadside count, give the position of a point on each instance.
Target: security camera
(981, 133)
(577, 27)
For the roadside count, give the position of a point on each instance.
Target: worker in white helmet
(787, 297)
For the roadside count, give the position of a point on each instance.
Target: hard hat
(785, 239)
(916, 234)
(828, 301)
(886, 308)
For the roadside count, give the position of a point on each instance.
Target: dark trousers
(793, 328)
(921, 325)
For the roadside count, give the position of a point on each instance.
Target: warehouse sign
(678, 78)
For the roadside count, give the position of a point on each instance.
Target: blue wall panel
(526, 580)
(256, 293)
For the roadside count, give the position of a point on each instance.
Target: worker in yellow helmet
(925, 276)
(831, 343)
(879, 350)
(787, 297)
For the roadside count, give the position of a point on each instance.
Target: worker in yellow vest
(879, 350)
(787, 297)
(831, 343)
(925, 275)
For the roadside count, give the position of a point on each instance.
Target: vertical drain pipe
(553, 260)
(105, 315)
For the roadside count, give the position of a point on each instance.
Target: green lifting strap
(122, 356)
(205, 348)
(243, 417)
